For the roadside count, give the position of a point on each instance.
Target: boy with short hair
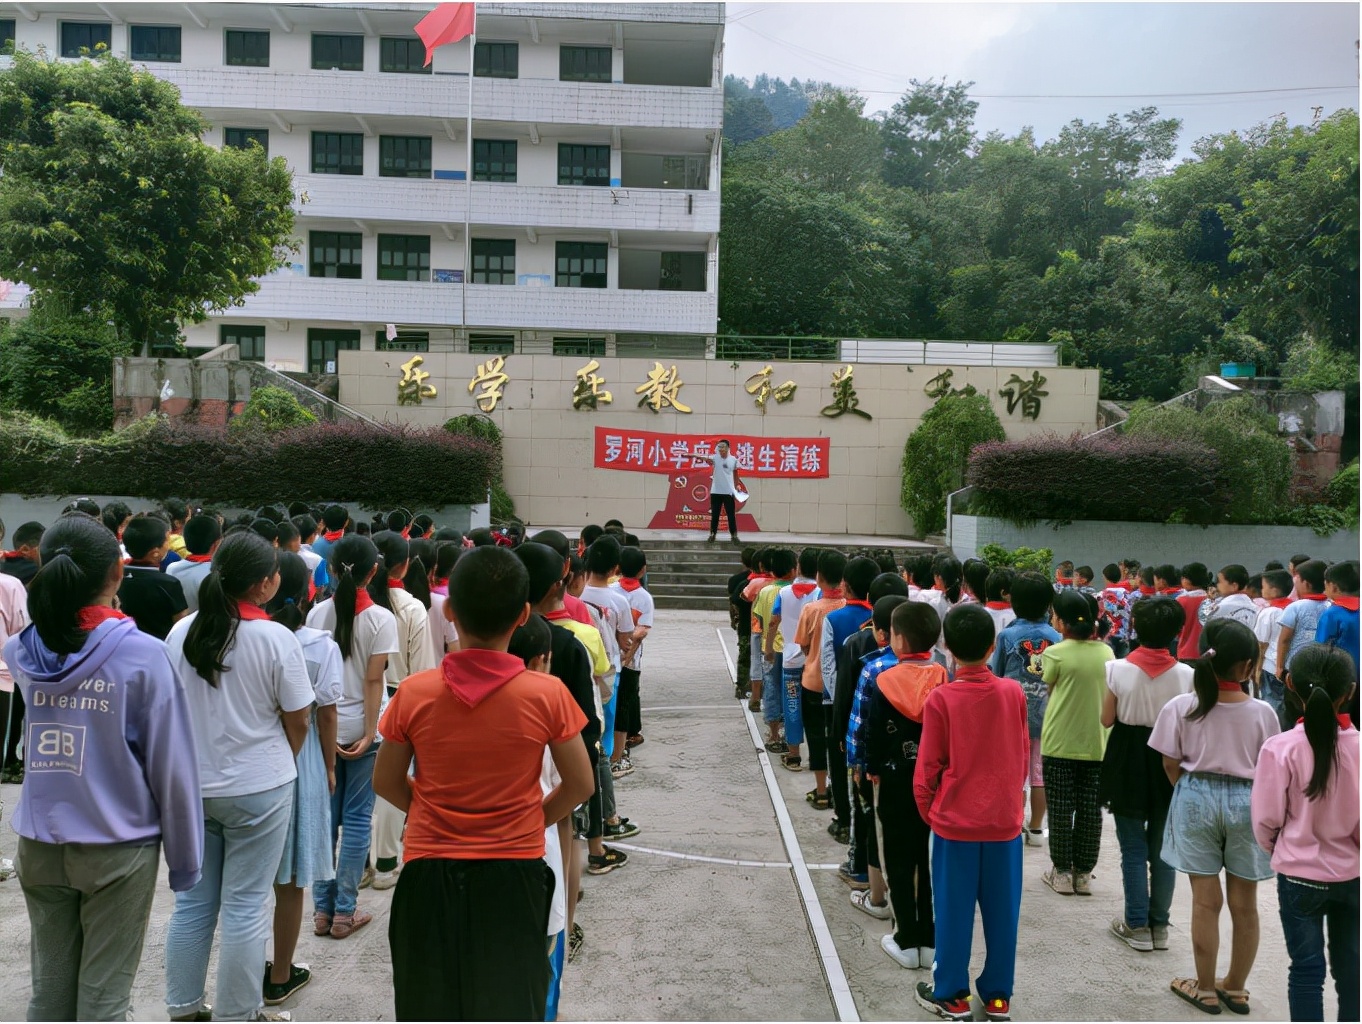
(1083, 577)
(972, 759)
(782, 563)
(22, 562)
(838, 626)
(831, 565)
(468, 915)
(1338, 624)
(1232, 600)
(1114, 603)
(202, 535)
(740, 617)
(756, 672)
(789, 605)
(1064, 576)
(633, 565)
(998, 601)
(335, 518)
(154, 599)
(1300, 619)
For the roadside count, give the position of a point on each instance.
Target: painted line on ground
(730, 861)
(697, 707)
(844, 1005)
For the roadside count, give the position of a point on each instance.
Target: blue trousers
(608, 730)
(964, 874)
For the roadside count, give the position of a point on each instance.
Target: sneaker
(366, 879)
(274, 994)
(1083, 883)
(926, 956)
(1159, 933)
(907, 958)
(6, 869)
(955, 1008)
(1060, 881)
(840, 833)
(386, 879)
(857, 880)
(623, 829)
(280, 1015)
(1136, 938)
(998, 1009)
(710, 539)
(619, 769)
(860, 899)
(606, 862)
(1034, 836)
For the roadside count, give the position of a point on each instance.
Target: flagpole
(468, 178)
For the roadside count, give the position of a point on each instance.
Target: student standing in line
(629, 710)
(782, 563)
(1196, 578)
(740, 617)
(831, 565)
(1232, 600)
(1114, 603)
(153, 599)
(443, 639)
(838, 626)
(13, 619)
(116, 776)
(249, 698)
(1338, 624)
(1300, 620)
(785, 614)
(202, 534)
(22, 562)
(1268, 627)
(998, 589)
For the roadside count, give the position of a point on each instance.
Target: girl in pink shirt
(1305, 814)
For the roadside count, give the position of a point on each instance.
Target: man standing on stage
(723, 489)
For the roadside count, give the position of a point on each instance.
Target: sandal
(575, 939)
(1186, 990)
(321, 923)
(777, 747)
(792, 762)
(345, 925)
(634, 741)
(821, 801)
(1236, 1000)
(754, 704)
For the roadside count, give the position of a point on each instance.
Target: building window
(80, 37)
(496, 60)
(404, 156)
(406, 341)
(241, 138)
(584, 63)
(335, 254)
(248, 49)
(405, 56)
(323, 344)
(494, 261)
(494, 160)
(404, 257)
(583, 165)
(337, 52)
(581, 264)
(250, 340)
(154, 43)
(579, 346)
(6, 35)
(337, 153)
(491, 344)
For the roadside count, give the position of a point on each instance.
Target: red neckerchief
(1344, 721)
(311, 589)
(1152, 661)
(14, 556)
(334, 535)
(1172, 591)
(558, 616)
(1348, 603)
(440, 587)
(1226, 687)
(474, 675)
(246, 610)
(363, 601)
(406, 533)
(1118, 585)
(1279, 602)
(998, 606)
(198, 558)
(1311, 597)
(1147, 591)
(802, 590)
(853, 602)
(919, 656)
(396, 584)
(1064, 581)
(835, 594)
(92, 616)
(628, 584)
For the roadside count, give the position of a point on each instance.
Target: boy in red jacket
(971, 764)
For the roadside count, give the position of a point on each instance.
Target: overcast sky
(1033, 63)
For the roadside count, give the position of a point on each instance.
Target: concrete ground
(709, 920)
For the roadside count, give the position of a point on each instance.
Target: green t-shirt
(1076, 673)
(762, 608)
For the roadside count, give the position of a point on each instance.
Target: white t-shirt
(240, 739)
(1268, 629)
(375, 632)
(325, 667)
(724, 468)
(1140, 698)
(553, 853)
(1239, 607)
(310, 558)
(414, 651)
(191, 576)
(442, 631)
(641, 614)
(1002, 618)
(613, 608)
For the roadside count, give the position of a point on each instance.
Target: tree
(928, 135)
(936, 455)
(833, 148)
(60, 366)
(747, 119)
(111, 203)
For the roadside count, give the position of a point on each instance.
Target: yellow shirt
(761, 613)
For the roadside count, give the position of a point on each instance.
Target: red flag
(448, 23)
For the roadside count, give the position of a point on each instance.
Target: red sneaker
(998, 1009)
(955, 1008)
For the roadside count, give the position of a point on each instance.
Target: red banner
(644, 451)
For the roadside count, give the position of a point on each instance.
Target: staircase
(691, 573)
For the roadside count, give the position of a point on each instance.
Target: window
(84, 35)
(406, 56)
(491, 344)
(404, 257)
(6, 35)
(494, 160)
(496, 60)
(337, 53)
(579, 346)
(248, 49)
(584, 63)
(404, 156)
(494, 261)
(154, 43)
(337, 153)
(581, 265)
(583, 165)
(250, 340)
(335, 254)
(323, 344)
(241, 138)
(406, 341)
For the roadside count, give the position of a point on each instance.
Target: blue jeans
(243, 844)
(794, 711)
(1305, 906)
(352, 806)
(1148, 880)
(964, 874)
(772, 691)
(608, 726)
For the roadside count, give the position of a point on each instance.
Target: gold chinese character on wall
(492, 378)
(940, 386)
(412, 388)
(844, 398)
(1027, 393)
(760, 388)
(662, 388)
(588, 392)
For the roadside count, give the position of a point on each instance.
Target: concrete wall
(549, 459)
(1097, 543)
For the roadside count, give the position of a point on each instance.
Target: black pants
(1074, 810)
(467, 939)
(11, 710)
(864, 845)
(729, 504)
(628, 711)
(907, 866)
(595, 804)
(815, 728)
(838, 779)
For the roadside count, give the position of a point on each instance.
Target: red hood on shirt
(474, 675)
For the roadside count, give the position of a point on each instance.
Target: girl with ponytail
(366, 634)
(443, 637)
(307, 851)
(1210, 740)
(250, 701)
(1305, 814)
(113, 776)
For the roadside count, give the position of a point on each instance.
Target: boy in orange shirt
(807, 635)
(467, 930)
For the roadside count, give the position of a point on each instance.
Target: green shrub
(936, 455)
(1342, 491)
(1314, 366)
(60, 366)
(482, 428)
(1323, 519)
(1022, 559)
(272, 409)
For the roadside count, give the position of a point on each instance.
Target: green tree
(936, 455)
(928, 135)
(747, 119)
(110, 201)
(59, 365)
(833, 148)
(271, 409)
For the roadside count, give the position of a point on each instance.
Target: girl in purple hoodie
(111, 775)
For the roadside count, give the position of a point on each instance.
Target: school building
(588, 224)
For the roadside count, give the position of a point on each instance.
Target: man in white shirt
(723, 489)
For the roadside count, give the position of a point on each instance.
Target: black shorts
(628, 710)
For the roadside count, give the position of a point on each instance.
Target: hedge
(936, 455)
(157, 458)
(1102, 477)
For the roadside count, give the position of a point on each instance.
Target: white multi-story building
(589, 223)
